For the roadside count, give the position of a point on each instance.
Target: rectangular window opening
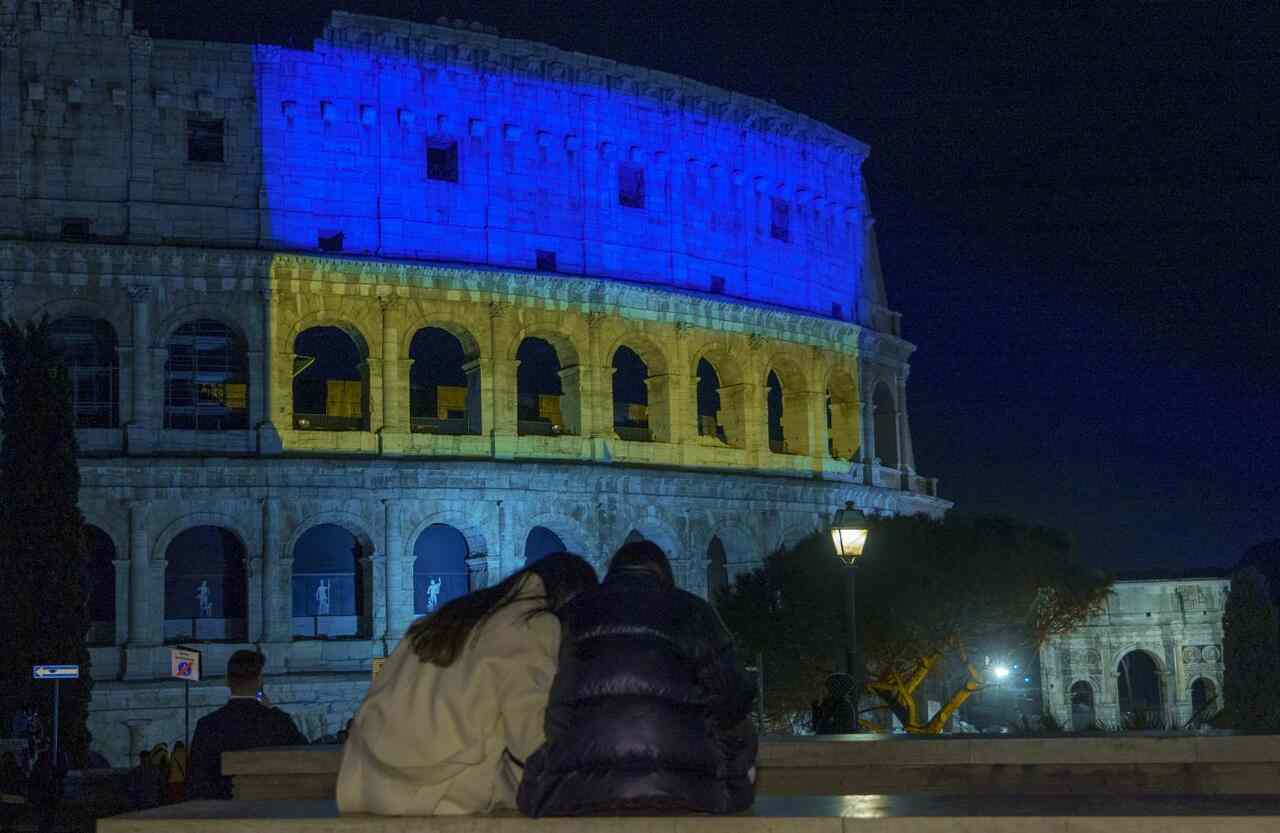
(837, 310)
(780, 219)
(76, 228)
(717, 285)
(442, 160)
(546, 260)
(630, 185)
(331, 242)
(205, 140)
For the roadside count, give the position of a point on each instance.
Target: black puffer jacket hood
(649, 710)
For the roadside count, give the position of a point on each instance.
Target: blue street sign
(55, 672)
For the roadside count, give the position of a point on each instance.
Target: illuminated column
(907, 458)
(375, 594)
(122, 577)
(817, 423)
(845, 418)
(478, 420)
(399, 595)
(498, 385)
(395, 412)
(277, 626)
(754, 412)
(254, 599)
(866, 414)
(263, 390)
(371, 379)
(139, 573)
(140, 429)
(576, 400)
(797, 421)
(681, 391)
(658, 390)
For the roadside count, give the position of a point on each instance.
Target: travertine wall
(103, 216)
(1177, 623)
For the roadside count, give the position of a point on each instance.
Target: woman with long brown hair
(459, 704)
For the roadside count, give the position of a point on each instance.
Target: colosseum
(358, 327)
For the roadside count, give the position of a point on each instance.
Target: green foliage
(931, 596)
(44, 617)
(1251, 655)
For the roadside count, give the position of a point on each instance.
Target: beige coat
(431, 741)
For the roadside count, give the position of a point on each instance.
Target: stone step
(828, 814)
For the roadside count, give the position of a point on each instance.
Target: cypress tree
(1251, 655)
(44, 613)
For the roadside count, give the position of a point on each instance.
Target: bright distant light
(1001, 672)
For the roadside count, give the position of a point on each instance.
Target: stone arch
(101, 554)
(209, 604)
(577, 539)
(730, 426)
(225, 315)
(444, 383)
(333, 392)
(634, 393)
(369, 348)
(471, 527)
(316, 620)
(653, 528)
(644, 346)
(564, 343)
(1082, 701)
(455, 326)
(1203, 694)
(440, 572)
(206, 377)
(843, 430)
(113, 521)
(90, 348)
(185, 522)
(1141, 688)
(115, 314)
(741, 551)
(540, 409)
(885, 415)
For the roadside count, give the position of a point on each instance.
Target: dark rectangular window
(837, 310)
(442, 160)
(630, 185)
(780, 219)
(546, 260)
(331, 242)
(717, 284)
(75, 228)
(205, 140)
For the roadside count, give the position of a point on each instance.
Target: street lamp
(849, 536)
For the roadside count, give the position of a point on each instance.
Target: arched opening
(1141, 700)
(842, 417)
(709, 402)
(1082, 714)
(539, 389)
(773, 408)
(444, 393)
(541, 543)
(439, 568)
(330, 381)
(1204, 699)
(630, 396)
(328, 583)
(717, 569)
(205, 586)
(100, 584)
(886, 422)
(206, 379)
(88, 349)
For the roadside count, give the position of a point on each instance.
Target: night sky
(1077, 218)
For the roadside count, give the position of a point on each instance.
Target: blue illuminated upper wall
(739, 197)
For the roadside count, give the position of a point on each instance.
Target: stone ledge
(835, 814)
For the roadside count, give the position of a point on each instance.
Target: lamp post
(849, 536)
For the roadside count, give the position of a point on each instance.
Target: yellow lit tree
(932, 597)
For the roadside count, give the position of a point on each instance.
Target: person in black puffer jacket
(650, 708)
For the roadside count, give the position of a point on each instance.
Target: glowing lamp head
(1001, 672)
(849, 533)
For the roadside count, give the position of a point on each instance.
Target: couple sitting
(559, 696)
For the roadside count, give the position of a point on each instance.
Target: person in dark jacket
(247, 721)
(650, 708)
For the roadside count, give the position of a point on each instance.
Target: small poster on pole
(184, 664)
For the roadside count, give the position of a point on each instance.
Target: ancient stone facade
(1176, 627)
(189, 214)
